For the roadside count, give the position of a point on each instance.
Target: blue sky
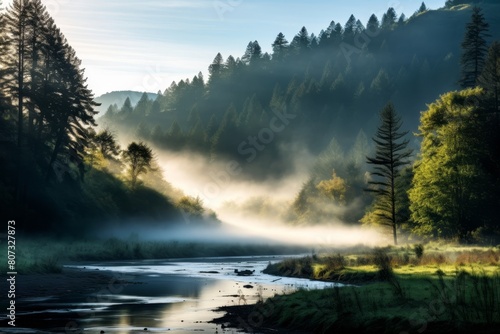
(144, 45)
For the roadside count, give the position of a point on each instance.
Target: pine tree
(143, 107)
(127, 108)
(373, 25)
(255, 53)
(38, 25)
(490, 77)
(215, 69)
(301, 41)
(423, 8)
(74, 115)
(252, 54)
(350, 30)
(230, 66)
(402, 19)
(389, 19)
(390, 156)
(17, 25)
(474, 49)
(280, 47)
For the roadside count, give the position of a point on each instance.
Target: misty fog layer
(251, 210)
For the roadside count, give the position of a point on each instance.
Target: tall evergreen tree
(389, 19)
(423, 8)
(17, 26)
(474, 49)
(38, 23)
(301, 41)
(390, 156)
(127, 108)
(350, 30)
(280, 47)
(490, 77)
(230, 66)
(373, 25)
(143, 107)
(216, 68)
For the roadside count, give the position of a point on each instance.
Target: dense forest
(325, 94)
(58, 175)
(322, 94)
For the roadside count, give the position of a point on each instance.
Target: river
(170, 296)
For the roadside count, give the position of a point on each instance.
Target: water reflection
(171, 296)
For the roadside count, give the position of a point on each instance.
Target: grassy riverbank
(440, 289)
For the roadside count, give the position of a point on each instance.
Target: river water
(173, 296)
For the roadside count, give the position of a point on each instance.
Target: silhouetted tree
(280, 47)
(350, 30)
(216, 68)
(17, 24)
(474, 49)
(106, 143)
(373, 25)
(423, 8)
(301, 41)
(490, 77)
(139, 158)
(127, 108)
(252, 54)
(389, 19)
(143, 107)
(390, 156)
(230, 66)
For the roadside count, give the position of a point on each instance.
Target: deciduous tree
(451, 191)
(139, 158)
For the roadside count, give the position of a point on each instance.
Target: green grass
(439, 288)
(455, 303)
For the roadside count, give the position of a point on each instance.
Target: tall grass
(384, 264)
(453, 303)
(470, 296)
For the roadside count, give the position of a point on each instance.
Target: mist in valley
(248, 211)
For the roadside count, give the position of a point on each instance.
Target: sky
(144, 45)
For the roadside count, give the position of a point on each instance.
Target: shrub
(419, 250)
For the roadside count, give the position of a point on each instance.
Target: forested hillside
(57, 175)
(318, 86)
(315, 96)
(322, 93)
(118, 98)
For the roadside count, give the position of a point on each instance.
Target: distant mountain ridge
(118, 98)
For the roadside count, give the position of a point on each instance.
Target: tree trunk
(55, 152)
